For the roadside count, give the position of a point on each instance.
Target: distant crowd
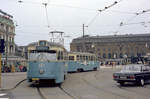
(10, 68)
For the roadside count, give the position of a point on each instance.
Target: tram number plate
(35, 78)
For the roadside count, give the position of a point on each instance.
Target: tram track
(41, 94)
(67, 92)
(17, 85)
(103, 89)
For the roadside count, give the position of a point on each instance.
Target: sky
(68, 16)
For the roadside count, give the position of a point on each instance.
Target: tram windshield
(42, 55)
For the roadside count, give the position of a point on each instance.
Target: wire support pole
(45, 4)
(83, 31)
(6, 63)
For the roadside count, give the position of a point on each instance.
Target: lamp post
(6, 44)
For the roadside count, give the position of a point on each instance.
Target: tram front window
(42, 56)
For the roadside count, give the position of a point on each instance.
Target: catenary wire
(101, 10)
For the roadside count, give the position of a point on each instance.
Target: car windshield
(133, 68)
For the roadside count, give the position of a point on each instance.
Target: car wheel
(95, 69)
(142, 82)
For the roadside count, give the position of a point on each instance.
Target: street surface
(85, 85)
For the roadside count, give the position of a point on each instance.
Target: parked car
(136, 73)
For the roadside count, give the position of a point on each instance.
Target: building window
(120, 48)
(104, 55)
(109, 55)
(121, 55)
(103, 49)
(99, 55)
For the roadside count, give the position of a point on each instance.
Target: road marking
(4, 98)
(3, 94)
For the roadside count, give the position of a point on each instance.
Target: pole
(83, 30)
(0, 69)
(6, 47)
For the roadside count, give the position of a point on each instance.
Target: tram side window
(60, 55)
(89, 58)
(78, 57)
(92, 58)
(71, 57)
(81, 58)
(86, 58)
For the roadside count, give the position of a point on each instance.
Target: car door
(146, 72)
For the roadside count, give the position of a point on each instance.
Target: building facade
(114, 46)
(7, 32)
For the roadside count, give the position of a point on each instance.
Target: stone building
(113, 46)
(7, 32)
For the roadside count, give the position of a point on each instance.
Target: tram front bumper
(42, 78)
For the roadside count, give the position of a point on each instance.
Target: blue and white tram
(79, 61)
(46, 63)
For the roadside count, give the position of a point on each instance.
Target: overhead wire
(101, 10)
(122, 12)
(29, 2)
(94, 18)
(136, 14)
(137, 23)
(131, 19)
(81, 8)
(36, 34)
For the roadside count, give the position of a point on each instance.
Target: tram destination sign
(42, 48)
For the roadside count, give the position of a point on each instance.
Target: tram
(80, 61)
(46, 62)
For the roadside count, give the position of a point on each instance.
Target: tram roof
(81, 53)
(49, 44)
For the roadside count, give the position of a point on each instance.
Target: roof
(6, 20)
(114, 38)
